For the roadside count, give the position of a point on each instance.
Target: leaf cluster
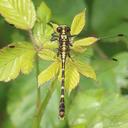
(22, 17)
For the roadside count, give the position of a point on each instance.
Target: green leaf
(43, 13)
(50, 45)
(42, 33)
(85, 69)
(47, 54)
(71, 77)
(80, 45)
(48, 73)
(16, 58)
(85, 42)
(22, 102)
(78, 49)
(78, 23)
(20, 13)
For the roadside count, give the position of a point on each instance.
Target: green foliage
(122, 80)
(42, 33)
(71, 75)
(22, 98)
(47, 54)
(67, 10)
(49, 73)
(117, 23)
(20, 13)
(84, 42)
(93, 104)
(78, 23)
(85, 69)
(80, 45)
(98, 110)
(16, 58)
(41, 13)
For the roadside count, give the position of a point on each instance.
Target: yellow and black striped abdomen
(63, 50)
(63, 58)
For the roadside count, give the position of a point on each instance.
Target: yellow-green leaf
(78, 49)
(78, 23)
(47, 54)
(71, 77)
(20, 13)
(43, 13)
(85, 42)
(85, 69)
(16, 58)
(48, 73)
(42, 33)
(50, 45)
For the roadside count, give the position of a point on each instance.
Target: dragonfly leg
(54, 37)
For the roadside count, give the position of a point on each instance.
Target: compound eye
(59, 29)
(67, 29)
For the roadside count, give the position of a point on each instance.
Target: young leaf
(16, 58)
(48, 73)
(78, 49)
(71, 77)
(42, 33)
(85, 42)
(50, 45)
(47, 54)
(20, 13)
(85, 69)
(78, 23)
(43, 13)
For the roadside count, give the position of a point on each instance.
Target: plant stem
(36, 123)
(32, 38)
(38, 88)
(40, 107)
(47, 98)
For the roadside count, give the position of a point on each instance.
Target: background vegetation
(93, 104)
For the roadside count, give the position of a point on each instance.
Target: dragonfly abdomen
(63, 49)
(63, 38)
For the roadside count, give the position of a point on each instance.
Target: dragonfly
(65, 42)
(64, 36)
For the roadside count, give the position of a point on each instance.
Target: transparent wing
(100, 64)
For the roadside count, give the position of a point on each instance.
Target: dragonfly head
(63, 29)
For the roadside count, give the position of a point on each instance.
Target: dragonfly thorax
(64, 37)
